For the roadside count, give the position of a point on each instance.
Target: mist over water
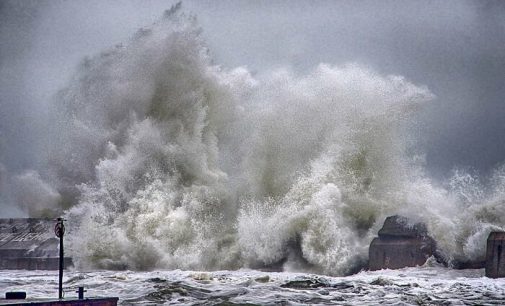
(163, 153)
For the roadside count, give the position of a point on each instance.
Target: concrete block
(495, 255)
(398, 226)
(400, 245)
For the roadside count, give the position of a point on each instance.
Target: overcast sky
(456, 48)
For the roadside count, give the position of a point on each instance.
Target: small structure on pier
(495, 255)
(400, 244)
(29, 244)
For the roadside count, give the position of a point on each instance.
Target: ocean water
(162, 160)
(427, 285)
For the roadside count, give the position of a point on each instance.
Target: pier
(63, 302)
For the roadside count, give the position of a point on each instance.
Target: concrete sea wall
(29, 243)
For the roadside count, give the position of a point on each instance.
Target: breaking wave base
(163, 160)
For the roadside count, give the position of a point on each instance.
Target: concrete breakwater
(495, 255)
(404, 244)
(30, 244)
(400, 245)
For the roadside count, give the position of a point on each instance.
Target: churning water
(410, 286)
(161, 159)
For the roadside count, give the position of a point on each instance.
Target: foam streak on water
(410, 286)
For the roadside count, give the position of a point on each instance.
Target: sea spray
(158, 197)
(169, 161)
(154, 193)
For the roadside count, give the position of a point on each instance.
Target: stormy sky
(455, 48)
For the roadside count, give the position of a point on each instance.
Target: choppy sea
(425, 285)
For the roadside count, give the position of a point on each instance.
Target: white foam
(172, 162)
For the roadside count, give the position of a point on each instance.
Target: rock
(467, 264)
(495, 255)
(400, 245)
(157, 280)
(262, 279)
(309, 283)
(380, 281)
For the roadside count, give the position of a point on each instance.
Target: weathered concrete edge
(109, 301)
